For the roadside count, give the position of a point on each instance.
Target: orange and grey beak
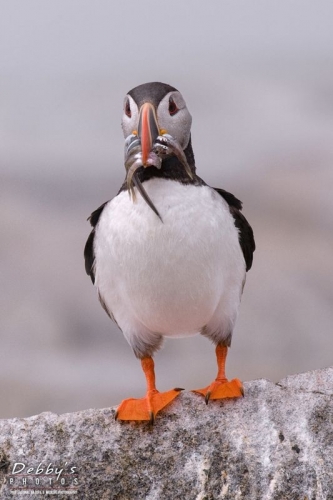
(148, 130)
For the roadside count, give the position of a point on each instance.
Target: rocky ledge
(275, 443)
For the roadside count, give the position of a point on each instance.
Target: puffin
(169, 253)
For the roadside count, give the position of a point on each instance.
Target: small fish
(165, 145)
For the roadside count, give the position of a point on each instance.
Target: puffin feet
(145, 408)
(221, 389)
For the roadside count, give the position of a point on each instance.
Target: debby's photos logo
(43, 478)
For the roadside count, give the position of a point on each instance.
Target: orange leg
(221, 388)
(154, 401)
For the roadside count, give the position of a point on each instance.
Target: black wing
(89, 257)
(246, 238)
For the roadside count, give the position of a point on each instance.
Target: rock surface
(276, 443)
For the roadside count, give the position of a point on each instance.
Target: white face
(172, 115)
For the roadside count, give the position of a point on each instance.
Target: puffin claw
(207, 397)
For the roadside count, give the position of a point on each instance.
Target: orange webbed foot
(222, 389)
(145, 408)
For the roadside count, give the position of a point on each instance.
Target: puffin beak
(148, 130)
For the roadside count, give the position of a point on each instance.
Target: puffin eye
(172, 107)
(128, 109)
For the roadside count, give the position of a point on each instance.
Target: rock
(276, 443)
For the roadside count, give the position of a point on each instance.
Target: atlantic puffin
(168, 254)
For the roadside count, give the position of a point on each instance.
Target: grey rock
(275, 443)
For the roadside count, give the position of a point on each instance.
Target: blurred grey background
(258, 79)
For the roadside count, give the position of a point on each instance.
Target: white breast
(171, 277)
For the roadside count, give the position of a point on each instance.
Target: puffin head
(154, 109)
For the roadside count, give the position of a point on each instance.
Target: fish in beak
(148, 131)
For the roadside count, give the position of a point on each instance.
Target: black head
(154, 109)
(152, 92)
(167, 105)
